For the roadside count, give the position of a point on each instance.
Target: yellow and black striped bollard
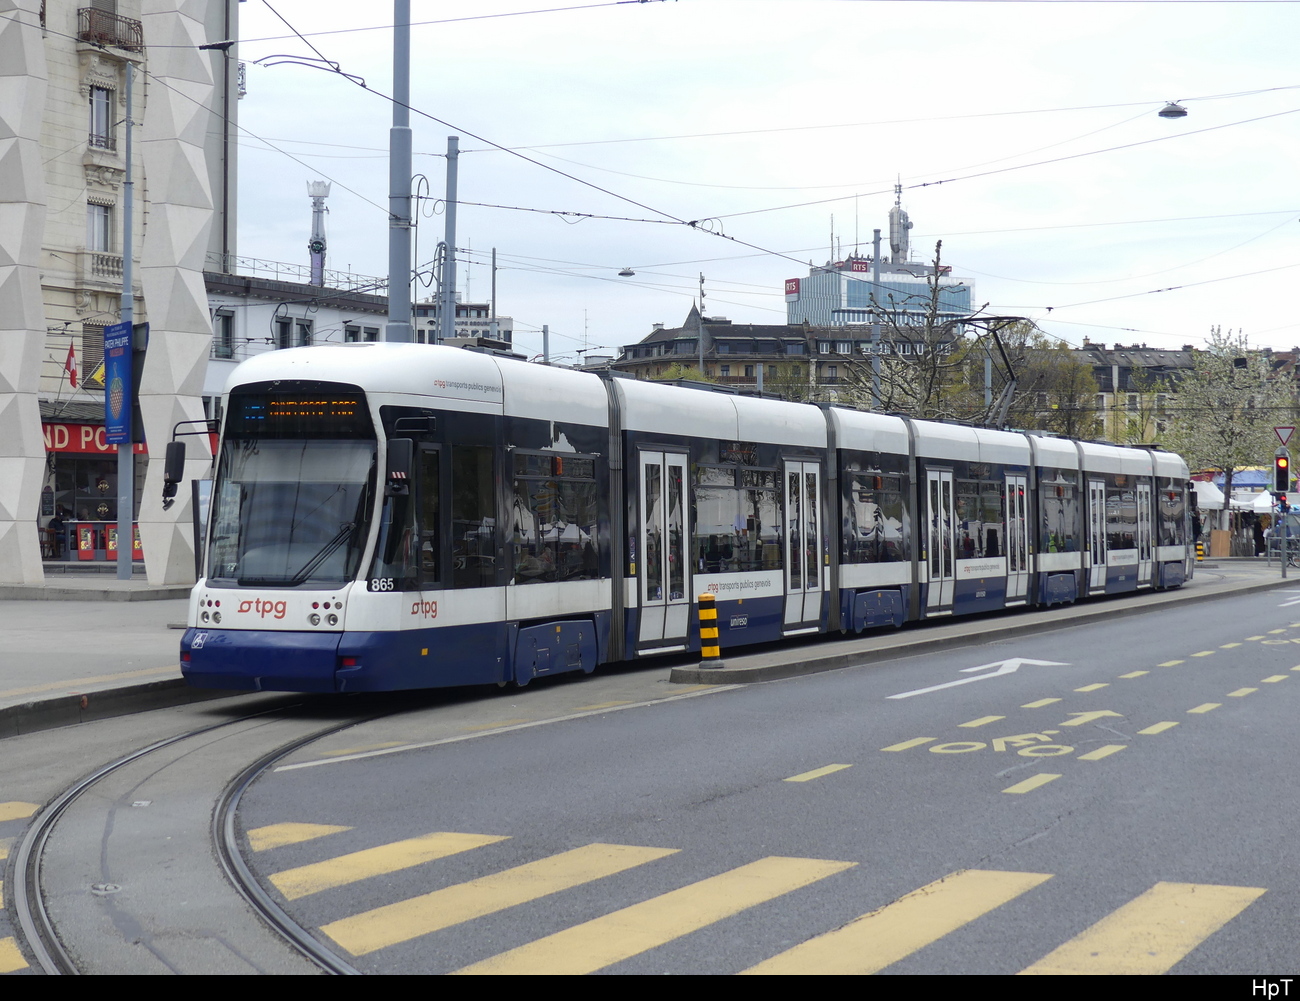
(1200, 550)
(710, 652)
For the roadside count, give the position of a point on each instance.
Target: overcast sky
(1063, 188)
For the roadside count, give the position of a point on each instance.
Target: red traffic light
(1281, 473)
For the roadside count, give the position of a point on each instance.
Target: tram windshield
(290, 509)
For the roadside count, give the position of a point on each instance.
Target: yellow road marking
(4, 848)
(1134, 674)
(1229, 646)
(1030, 784)
(1254, 637)
(10, 957)
(633, 930)
(358, 750)
(1170, 663)
(16, 810)
(600, 705)
(1039, 704)
(262, 839)
(1093, 688)
(407, 919)
(874, 941)
(1274, 678)
(2, 894)
(1105, 751)
(905, 745)
(492, 726)
(1204, 653)
(1158, 727)
(816, 773)
(1205, 707)
(1151, 933)
(1242, 691)
(1274, 632)
(71, 684)
(398, 855)
(1295, 668)
(692, 688)
(982, 720)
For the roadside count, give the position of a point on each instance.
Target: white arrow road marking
(1002, 667)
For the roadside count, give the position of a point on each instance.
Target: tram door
(803, 550)
(1017, 538)
(1097, 533)
(663, 576)
(1144, 532)
(940, 532)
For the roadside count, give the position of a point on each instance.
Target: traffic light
(1281, 472)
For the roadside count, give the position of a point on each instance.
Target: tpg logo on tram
(265, 607)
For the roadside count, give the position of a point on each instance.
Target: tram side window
(1058, 500)
(408, 543)
(554, 518)
(875, 518)
(737, 525)
(980, 519)
(1172, 514)
(473, 517)
(1121, 516)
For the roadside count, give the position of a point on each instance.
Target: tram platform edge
(785, 661)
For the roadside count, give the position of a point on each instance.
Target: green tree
(1055, 390)
(1227, 406)
(678, 372)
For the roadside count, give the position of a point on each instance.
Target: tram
(402, 516)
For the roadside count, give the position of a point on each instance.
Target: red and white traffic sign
(1284, 434)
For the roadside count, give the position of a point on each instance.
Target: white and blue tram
(391, 516)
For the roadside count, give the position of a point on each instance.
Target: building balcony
(106, 143)
(99, 27)
(96, 267)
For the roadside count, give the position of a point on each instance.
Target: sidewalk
(86, 647)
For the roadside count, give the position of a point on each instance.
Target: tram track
(137, 866)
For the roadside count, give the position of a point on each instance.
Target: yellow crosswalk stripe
(400, 922)
(11, 958)
(817, 773)
(883, 937)
(17, 811)
(262, 839)
(398, 855)
(1151, 933)
(633, 930)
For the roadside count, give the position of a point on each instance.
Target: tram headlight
(332, 619)
(203, 616)
(216, 616)
(314, 619)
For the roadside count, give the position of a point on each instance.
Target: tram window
(473, 517)
(737, 525)
(875, 519)
(554, 518)
(1058, 500)
(1171, 507)
(1121, 517)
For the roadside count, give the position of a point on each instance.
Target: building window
(372, 333)
(905, 348)
(1132, 401)
(303, 328)
(352, 334)
(99, 228)
(101, 118)
(749, 371)
(725, 371)
(771, 371)
(843, 347)
(283, 334)
(223, 335)
(823, 347)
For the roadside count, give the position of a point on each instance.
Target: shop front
(78, 515)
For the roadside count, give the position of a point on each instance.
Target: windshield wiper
(311, 566)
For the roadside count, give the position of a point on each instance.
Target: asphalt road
(1120, 802)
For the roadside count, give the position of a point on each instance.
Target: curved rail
(28, 904)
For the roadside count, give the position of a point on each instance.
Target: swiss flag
(70, 366)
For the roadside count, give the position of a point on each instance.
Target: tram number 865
(382, 583)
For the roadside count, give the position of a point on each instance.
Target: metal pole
(546, 343)
(126, 452)
(875, 320)
(399, 181)
(447, 309)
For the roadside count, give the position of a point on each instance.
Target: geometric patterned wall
(23, 83)
(171, 271)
